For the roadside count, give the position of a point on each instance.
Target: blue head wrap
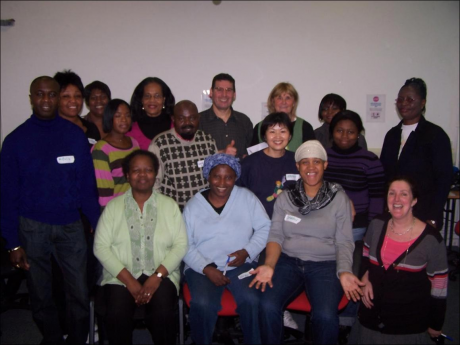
(221, 158)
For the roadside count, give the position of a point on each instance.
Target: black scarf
(325, 195)
(152, 126)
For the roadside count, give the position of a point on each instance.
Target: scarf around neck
(325, 195)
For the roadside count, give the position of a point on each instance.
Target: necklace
(392, 224)
(408, 244)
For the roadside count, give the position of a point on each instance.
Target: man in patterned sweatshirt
(181, 152)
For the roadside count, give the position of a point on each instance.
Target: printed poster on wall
(375, 108)
(206, 101)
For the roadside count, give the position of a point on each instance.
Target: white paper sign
(206, 102)
(375, 108)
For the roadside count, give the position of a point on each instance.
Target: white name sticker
(200, 163)
(66, 159)
(255, 148)
(292, 177)
(92, 141)
(292, 219)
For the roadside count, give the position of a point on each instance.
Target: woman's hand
(433, 333)
(264, 274)
(368, 291)
(351, 286)
(134, 287)
(216, 276)
(240, 258)
(148, 289)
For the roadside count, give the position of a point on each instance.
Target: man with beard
(181, 151)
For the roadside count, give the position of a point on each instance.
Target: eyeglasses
(156, 96)
(400, 100)
(221, 89)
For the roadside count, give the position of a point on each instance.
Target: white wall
(349, 48)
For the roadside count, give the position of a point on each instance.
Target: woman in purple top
(267, 172)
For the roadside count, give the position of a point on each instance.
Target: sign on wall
(375, 108)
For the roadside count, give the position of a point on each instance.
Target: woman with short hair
(330, 105)
(140, 241)
(284, 98)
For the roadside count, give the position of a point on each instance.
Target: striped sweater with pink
(410, 295)
(107, 161)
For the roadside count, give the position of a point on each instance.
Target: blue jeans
(324, 291)
(205, 304)
(68, 245)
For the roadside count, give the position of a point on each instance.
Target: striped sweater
(411, 295)
(361, 174)
(107, 161)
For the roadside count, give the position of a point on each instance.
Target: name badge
(92, 141)
(256, 148)
(66, 159)
(292, 177)
(292, 219)
(200, 163)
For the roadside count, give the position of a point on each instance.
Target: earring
(142, 108)
(164, 106)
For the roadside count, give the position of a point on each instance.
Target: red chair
(302, 304)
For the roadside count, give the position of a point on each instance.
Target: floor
(17, 326)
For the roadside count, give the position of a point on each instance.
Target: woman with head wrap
(310, 248)
(227, 228)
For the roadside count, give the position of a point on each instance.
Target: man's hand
(231, 149)
(216, 276)
(18, 258)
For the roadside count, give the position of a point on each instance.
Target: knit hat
(311, 149)
(221, 158)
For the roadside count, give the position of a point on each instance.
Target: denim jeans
(205, 304)
(324, 291)
(68, 245)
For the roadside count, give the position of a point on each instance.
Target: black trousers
(159, 313)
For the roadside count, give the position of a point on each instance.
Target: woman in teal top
(284, 99)
(140, 241)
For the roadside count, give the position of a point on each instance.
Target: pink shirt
(391, 250)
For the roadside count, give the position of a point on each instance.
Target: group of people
(155, 184)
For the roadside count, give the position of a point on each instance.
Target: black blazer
(427, 158)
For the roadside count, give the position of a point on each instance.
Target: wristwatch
(158, 274)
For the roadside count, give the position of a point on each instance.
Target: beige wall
(350, 48)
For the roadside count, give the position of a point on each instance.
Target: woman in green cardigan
(140, 241)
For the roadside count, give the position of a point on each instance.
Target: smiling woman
(140, 241)
(152, 105)
(310, 246)
(405, 271)
(227, 228)
(421, 150)
(71, 104)
(109, 152)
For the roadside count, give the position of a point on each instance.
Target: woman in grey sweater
(310, 249)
